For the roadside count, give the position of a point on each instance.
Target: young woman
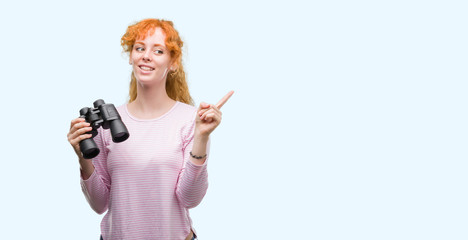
(148, 183)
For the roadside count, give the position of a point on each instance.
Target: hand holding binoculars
(104, 115)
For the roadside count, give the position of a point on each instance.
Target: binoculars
(104, 115)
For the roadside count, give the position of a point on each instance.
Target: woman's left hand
(209, 116)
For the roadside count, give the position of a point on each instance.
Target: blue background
(348, 119)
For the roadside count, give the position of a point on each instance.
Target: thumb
(203, 108)
(204, 105)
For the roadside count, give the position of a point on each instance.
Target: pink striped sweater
(147, 184)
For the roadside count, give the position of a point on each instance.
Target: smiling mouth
(145, 68)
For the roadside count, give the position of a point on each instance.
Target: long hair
(176, 84)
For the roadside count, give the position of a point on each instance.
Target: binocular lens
(119, 131)
(120, 137)
(90, 153)
(89, 148)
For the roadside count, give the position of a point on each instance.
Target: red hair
(176, 84)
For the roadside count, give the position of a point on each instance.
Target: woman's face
(150, 58)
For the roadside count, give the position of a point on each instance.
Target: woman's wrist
(201, 137)
(86, 167)
(200, 142)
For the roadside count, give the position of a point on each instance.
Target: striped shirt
(147, 184)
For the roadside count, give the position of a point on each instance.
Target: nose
(146, 56)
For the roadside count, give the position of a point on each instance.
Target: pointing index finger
(224, 99)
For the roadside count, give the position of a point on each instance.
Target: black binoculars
(104, 115)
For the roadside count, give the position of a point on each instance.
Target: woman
(147, 183)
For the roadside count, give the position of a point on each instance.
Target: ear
(174, 66)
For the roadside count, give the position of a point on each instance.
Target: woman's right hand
(78, 128)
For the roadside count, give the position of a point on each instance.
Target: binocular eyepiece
(104, 115)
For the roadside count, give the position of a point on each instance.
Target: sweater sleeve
(193, 179)
(96, 188)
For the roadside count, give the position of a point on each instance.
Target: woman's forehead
(155, 35)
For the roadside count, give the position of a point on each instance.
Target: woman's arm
(193, 179)
(199, 149)
(86, 168)
(192, 183)
(94, 182)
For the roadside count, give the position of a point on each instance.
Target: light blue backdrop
(349, 118)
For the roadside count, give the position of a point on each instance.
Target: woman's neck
(151, 102)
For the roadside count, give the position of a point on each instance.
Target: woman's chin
(147, 81)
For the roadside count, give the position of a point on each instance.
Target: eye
(139, 49)
(157, 51)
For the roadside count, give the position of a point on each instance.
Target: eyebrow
(155, 45)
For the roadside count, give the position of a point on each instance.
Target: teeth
(146, 68)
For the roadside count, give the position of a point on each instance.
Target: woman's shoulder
(121, 108)
(184, 112)
(186, 108)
